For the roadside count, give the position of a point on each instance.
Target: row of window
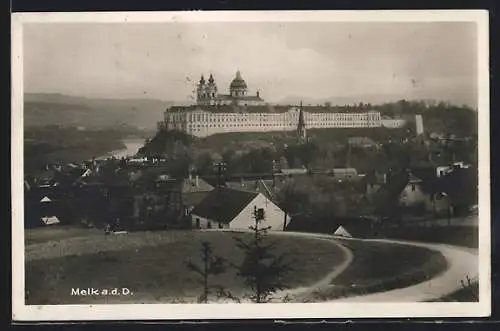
(203, 127)
(278, 121)
(246, 117)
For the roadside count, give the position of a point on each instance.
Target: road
(462, 262)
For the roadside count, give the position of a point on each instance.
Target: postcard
(250, 165)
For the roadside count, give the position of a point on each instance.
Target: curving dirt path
(304, 291)
(462, 262)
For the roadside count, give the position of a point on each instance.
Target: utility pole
(448, 207)
(220, 169)
(348, 156)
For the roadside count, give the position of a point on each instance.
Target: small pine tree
(211, 265)
(471, 289)
(262, 271)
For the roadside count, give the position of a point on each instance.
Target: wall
(438, 205)
(203, 123)
(274, 215)
(205, 222)
(393, 123)
(412, 194)
(372, 188)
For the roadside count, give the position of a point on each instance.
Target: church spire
(301, 126)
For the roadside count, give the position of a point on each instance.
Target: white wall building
(202, 121)
(226, 208)
(240, 112)
(393, 123)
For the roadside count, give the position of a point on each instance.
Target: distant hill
(375, 99)
(56, 109)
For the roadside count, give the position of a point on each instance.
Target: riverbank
(130, 148)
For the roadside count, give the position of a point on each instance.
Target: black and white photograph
(213, 165)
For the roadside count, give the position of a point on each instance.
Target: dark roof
(242, 98)
(224, 204)
(263, 186)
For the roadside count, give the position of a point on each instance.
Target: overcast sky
(310, 60)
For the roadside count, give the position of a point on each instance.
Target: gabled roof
(50, 220)
(412, 178)
(193, 185)
(342, 232)
(223, 204)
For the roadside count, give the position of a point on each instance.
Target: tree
(204, 163)
(212, 265)
(261, 270)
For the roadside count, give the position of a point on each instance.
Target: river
(132, 146)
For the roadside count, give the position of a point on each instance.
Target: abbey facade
(239, 112)
(206, 93)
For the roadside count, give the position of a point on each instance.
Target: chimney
(197, 181)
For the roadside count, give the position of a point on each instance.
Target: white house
(414, 194)
(225, 208)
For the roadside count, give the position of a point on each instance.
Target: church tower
(206, 92)
(301, 126)
(200, 90)
(211, 90)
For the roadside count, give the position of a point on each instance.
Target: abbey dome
(238, 93)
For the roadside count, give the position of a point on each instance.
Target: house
(233, 209)
(46, 178)
(411, 192)
(342, 232)
(194, 190)
(50, 220)
(344, 174)
(158, 204)
(44, 206)
(448, 169)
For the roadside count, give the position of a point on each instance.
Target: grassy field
(466, 294)
(379, 267)
(54, 233)
(151, 264)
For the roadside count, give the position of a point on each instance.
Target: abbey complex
(240, 111)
